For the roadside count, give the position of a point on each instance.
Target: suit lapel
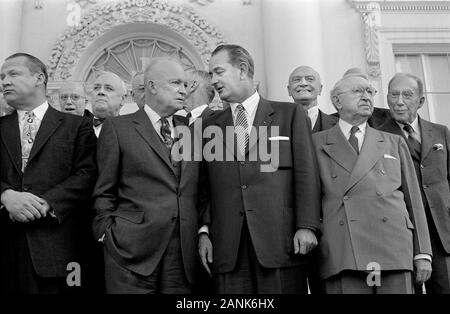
(51, 121)
(146, 130)
(426, 129)
(318, 124)
(182, 121)
(371, 151)
(224, 119)
(392, 127)
(262, 118)
(10, 135)
(338, 148)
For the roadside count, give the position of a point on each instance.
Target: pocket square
(389, 156)
(279, 138)
(438, 146)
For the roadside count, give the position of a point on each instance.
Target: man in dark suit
(47, 175)
(373, 217)
(259, 225)
(304, 87)
(200, 95)
(429, 145)
(146, 201)
(379, 115)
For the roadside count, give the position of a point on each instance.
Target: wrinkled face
(107, 96)
(18, 83)
(304, 85)
(138, 90)
(404, 100)
(225, 78)
(72, 99)
(355, 98)
(167, 87)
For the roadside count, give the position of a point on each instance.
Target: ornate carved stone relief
(105, 16)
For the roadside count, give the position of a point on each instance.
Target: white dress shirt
(360, 134)
(313, 114)
(415, 126)
(197, 112)
(155, 119)
(39, 112)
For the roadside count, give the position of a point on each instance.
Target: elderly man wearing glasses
(374, 231)
(72, 99)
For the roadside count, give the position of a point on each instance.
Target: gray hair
(122, 83)
(205, 79)
(411, 76)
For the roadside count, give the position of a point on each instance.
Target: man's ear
(243, 70)
(40, 78)
(289, 91)
(320, 90)
(421, 101)
(151, 87)
(336, 102)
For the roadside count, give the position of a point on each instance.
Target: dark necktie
(353, 140)
(98, 121)
(166, 133)
(241, 129)
(413, 143)
(189, 115)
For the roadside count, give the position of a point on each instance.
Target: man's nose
(213, 79)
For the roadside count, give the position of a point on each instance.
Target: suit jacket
(371, 205)
(433, 171)
(139, 197)
(207, 113)
(324, 122)
(379, 116)
(61, 169)
(273, 204)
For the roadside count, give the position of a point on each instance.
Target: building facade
(78, 37)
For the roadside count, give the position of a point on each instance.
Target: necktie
(98, 121)
(353, 140)
(28, 136)
(241, 129)
(166, 133)
(189, 117)
(412, 141)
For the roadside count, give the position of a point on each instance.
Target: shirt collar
(346, 127)
(39, 111)
(414, 125)
(196, 112)
(155, 118)
(313, 112)
(249, 104)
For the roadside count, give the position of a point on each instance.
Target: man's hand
(422, 268)
(24, 206)
(304, 241)
(205, 251)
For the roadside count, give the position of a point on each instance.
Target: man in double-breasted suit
(47, 176)
(373, 217)
(259, 224)
(429, 145)
(144, 198)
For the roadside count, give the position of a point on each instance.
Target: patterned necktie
(166, 133)
(28, 136)
(98, 121)
(241, 128)
(412, 141)
(353, 140)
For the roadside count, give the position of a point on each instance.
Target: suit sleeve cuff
(422, 256)
(203, 229)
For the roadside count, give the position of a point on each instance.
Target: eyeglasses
(359, 91)
(406, 94)
(74, 97)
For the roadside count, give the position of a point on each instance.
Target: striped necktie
(241, 129)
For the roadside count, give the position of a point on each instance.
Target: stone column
(10, 27)
(292, 37)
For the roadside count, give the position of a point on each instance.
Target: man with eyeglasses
(429, 145)
(146, 200)
(373, 217)
(72, 99)
(108, 95)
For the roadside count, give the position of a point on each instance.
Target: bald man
(373, 216)
(72, 98)
(304, 87)
(146, 202)
(108, 95)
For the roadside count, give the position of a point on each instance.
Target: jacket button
(425, 186)
(341, 223)
(379, 193)
(346, 198)
(242, 163)
(26, 188)
(422, 166)
(241, 214)
(174, 219)
(244, 187)
(382, 171)
(384, 219)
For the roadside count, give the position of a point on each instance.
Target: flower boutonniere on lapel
(438, 146)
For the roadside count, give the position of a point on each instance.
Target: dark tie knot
(240, 108)
(354, 129)
(189, 115)
(408, 128)
(98, 121)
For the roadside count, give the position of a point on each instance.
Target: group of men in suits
(344, 199)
